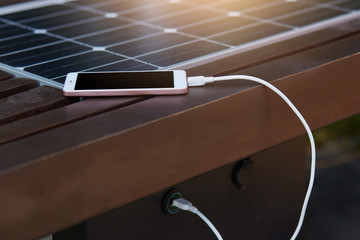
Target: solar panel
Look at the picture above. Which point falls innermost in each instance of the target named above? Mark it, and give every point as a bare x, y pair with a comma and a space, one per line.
57, 37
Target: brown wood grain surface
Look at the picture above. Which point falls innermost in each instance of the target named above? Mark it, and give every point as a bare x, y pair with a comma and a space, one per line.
16, 85
30, 102
61, 116
94, 177
5, 75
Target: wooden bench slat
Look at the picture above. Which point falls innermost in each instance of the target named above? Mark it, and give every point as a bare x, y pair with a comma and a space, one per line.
31, 102
5, 75
16, 85
61, 116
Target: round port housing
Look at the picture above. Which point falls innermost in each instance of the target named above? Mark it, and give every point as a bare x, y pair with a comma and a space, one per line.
167, 201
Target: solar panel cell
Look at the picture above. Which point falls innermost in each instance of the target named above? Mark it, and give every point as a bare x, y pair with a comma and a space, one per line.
243, 5
8, 31
61, 20
186, 18
249, 34
217, 26
125, 5
25, 42
36, 12
310, 17
150, 44
43, 54
182, 53
128, 65
353, 4
278, 10
89, 27
79, 62
120, 35
156, 11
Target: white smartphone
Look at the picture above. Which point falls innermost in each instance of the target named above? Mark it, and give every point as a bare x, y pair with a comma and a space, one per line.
125, 83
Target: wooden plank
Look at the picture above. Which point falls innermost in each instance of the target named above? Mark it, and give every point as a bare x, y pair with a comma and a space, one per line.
16, 85
7, 2
92, 178
5, 75
61, 116
31, 102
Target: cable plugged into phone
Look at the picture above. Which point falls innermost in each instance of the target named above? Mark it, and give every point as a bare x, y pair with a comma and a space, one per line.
198, 81
201, 81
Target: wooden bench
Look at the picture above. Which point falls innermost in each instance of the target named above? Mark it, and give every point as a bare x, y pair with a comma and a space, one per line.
65, 161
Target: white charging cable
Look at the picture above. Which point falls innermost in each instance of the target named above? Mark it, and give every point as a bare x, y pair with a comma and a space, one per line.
201, 80
185, 205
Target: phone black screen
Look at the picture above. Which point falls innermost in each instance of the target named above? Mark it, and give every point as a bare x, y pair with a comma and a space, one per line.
124, 80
